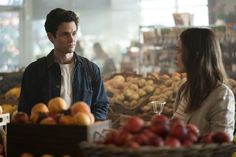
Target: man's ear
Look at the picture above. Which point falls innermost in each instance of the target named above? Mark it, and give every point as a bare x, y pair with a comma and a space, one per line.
50, 36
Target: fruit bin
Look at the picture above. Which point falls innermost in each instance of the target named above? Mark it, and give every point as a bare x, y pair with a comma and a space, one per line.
57, 140
208, 150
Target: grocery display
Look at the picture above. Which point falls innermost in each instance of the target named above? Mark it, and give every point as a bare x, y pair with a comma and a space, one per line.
160, 135
130, 94
57, 130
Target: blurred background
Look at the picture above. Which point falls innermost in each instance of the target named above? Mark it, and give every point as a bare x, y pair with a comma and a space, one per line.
138, 35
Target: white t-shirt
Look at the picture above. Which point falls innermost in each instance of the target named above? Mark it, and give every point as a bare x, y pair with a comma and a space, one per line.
66, 82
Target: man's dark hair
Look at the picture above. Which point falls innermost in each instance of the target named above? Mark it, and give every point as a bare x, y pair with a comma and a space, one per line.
58, 16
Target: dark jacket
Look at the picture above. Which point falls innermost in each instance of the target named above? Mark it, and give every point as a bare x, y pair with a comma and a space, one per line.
42, 81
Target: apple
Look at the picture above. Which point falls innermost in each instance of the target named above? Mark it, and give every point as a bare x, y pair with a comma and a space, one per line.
20, 117
187, 143
192, 128
110, 137
141, 139
160, 119
191, 137
207, 138
178, 130
132, 144
175, 121
157, 141
220, 137
123, 137
172, 142
148, 133
134, 124
160, 129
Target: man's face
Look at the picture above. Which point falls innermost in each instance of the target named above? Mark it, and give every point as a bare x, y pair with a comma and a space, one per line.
65, 39
179, 60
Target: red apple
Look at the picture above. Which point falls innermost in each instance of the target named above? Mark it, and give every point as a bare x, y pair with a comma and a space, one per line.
123, 137
141, 139
20, 117
175, 121
172, 142
220, 137
132, 144
160, 119
178, 130
157, 141
191, 137
207, 138
193, 129
148, 133
187, 143
110, 137
160, 129
134, 124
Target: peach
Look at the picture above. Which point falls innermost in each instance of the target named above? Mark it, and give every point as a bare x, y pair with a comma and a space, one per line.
48, 121
39, 107
1, 110
82, 118
26, 155
37, 117
80, 106
92, 118
66, 120
57, 105
47, 155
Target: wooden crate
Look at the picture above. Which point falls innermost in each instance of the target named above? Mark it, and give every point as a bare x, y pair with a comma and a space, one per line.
57, 140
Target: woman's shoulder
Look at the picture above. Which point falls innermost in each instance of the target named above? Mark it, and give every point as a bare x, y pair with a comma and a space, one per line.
222, 90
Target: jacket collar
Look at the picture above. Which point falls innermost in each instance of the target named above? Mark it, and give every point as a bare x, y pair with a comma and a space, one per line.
51, 61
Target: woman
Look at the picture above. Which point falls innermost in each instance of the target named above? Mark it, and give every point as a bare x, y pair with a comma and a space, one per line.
204, 99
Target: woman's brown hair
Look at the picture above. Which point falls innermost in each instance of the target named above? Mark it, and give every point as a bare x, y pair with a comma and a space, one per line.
202, 59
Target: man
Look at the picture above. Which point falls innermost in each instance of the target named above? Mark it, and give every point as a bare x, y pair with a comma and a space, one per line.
62, 72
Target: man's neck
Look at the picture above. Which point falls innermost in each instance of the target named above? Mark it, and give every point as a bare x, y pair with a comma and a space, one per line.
64, 58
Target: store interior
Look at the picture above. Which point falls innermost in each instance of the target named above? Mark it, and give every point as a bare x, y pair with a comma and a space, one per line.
139, 39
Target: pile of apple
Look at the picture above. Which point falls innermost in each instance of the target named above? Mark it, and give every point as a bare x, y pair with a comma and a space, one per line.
56, 112
161, 131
